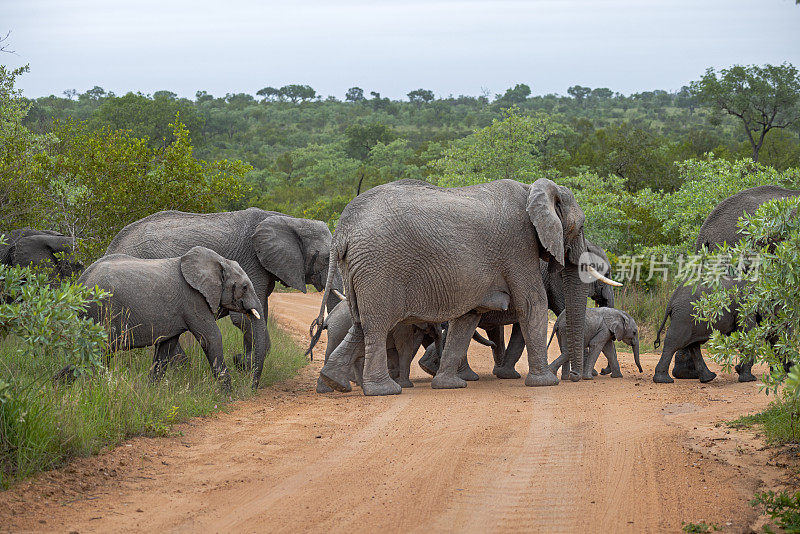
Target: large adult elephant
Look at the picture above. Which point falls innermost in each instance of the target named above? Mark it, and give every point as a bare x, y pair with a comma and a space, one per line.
506, 357
29, 247
269, 246
411, 252
721, 226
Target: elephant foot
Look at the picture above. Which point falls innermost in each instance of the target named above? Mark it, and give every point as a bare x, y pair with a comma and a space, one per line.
65, 375
505, 372
322, 387
594, 373
616, 375
605, 371
685, 373
545, 379
336, 378
564, 375
441, 381
708, 377
662, 378
468, 374
428, 366
587, 376
242, 362
747, 377
224, 381
405, 383
383, 387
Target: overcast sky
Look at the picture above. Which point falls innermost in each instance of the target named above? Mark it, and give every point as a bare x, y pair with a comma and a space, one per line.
448, 46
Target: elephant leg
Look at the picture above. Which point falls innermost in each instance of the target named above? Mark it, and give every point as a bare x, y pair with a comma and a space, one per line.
613, 360
459, 335
430, 360
336, 372
684, 365
465, 372
376, 379
596, 345
561, 362
210, 339
256, 342
534, 329
661, 375
704, 373
516, 343
393, 363
177, 356
406, 346
744, 369
162, 354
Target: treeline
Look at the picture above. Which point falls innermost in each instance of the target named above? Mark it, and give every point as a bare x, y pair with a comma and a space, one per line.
310, 154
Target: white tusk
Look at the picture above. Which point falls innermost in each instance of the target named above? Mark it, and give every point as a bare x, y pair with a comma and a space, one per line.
255, 313
338, 294
600, 277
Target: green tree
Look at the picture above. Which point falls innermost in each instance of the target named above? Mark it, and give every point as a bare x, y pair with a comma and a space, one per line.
508, 148
578, 92
297, 93
515, 95
360, 138
269, 93
354, 94
763, 98
419, 96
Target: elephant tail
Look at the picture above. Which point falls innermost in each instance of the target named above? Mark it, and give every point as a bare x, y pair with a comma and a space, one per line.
318, 324
667, 313
482, 340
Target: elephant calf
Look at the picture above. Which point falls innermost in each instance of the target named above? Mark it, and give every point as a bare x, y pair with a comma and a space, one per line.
603, 326
154, 301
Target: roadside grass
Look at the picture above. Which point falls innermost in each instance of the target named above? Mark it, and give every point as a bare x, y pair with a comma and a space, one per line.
780, 422
42, 424
647, 307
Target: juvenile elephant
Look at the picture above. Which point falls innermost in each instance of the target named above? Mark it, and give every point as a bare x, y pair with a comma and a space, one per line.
603, 327
506, 357
154, 301
685, 333
721, 226
269, 246
29, 247
411, 252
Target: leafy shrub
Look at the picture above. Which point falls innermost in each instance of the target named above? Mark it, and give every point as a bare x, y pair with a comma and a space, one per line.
781, 506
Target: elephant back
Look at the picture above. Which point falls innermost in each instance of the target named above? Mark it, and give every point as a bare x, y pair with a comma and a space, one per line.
721, 224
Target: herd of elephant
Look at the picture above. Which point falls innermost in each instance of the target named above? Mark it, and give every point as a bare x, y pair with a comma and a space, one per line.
410, 265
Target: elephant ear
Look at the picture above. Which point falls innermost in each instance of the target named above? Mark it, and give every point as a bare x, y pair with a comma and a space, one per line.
33, 249
202, 269
542, 208
278, 247
615, 323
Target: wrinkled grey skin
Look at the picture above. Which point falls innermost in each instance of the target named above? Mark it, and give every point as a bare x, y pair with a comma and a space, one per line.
687, 334
413, 253
269, 246
603, 327
29, 247
154, 301
402, 345
721, 226
506, 358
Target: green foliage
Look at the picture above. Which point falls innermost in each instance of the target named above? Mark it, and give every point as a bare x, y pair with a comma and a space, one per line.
779, 421
762, 97
43, 424
46, 319
702, 526
768, 299
783, 507
508, 148
362, 137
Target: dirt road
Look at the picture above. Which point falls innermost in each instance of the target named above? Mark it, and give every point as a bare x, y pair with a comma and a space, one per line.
606, 455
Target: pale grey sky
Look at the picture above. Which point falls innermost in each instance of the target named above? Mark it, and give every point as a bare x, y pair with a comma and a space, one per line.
448, 46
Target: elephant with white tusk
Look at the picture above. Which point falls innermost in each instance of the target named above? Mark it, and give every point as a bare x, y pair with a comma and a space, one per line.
153, 302
413, 253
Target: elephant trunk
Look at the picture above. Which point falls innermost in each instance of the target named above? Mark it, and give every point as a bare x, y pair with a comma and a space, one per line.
576, 292
635, 345
336, 289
